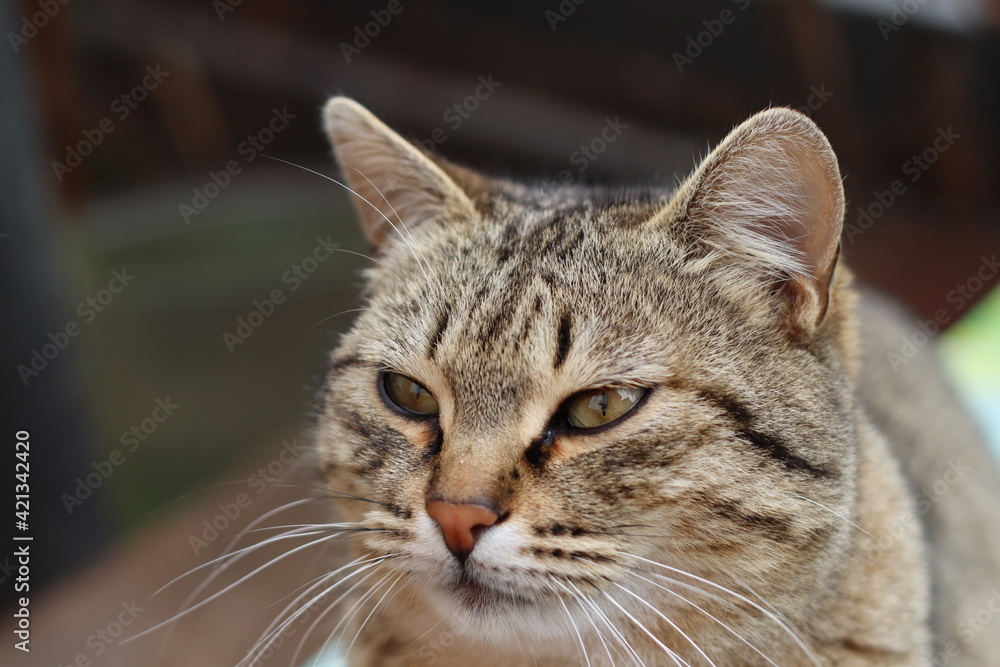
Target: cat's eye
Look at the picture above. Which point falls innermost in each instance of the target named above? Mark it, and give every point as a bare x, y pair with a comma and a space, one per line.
601, 406
409, 395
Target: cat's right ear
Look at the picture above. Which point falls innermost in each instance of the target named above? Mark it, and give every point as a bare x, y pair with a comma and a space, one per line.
770, 196
394, 185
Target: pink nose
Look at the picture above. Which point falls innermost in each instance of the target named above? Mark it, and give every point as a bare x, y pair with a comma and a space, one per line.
461, 524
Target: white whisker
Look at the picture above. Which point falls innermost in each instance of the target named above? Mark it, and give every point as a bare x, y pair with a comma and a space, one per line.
307, 588
226, 552
327, 319
703, 611
228, 588
673, 656
615, 632
669, 622
275, 629
352, 612
838, 515
330, 607
576, 630
374, 207
785, 626
372, 612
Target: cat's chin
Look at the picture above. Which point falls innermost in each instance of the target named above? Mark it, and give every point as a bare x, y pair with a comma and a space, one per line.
476, 609
478, 598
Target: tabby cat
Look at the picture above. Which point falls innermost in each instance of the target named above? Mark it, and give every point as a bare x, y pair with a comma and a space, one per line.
640, 426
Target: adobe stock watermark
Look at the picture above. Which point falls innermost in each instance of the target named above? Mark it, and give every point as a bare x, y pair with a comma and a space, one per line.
88, 310
926, 497
295, 276
223, 7
968, 628
454, 117
105, 637
816, 99
7, 569
958, 297
121, 108
432, 651
697, 44
973, 625
363, 35
319, 604
249, 149
130, 440
561, 13
31, 24
587, 153
914, 168
256, 484
898, 17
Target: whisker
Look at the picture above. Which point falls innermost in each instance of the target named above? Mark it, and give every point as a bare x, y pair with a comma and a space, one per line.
421, 259
311, 584
385, 199
276, 628
228, 588
351, 613
233, 557
691, 587
215, 574
576, 629
359, 254
577, 596
838, 515
763, 601
356, 194
351, 525
673, 656
327, 319
372, 612
669, 622
782, 624
615, 632
711, 616
328, 494
394, 212
778, 619
330, 607
426, 632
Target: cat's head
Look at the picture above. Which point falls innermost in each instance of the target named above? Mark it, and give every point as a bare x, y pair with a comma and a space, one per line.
560, 404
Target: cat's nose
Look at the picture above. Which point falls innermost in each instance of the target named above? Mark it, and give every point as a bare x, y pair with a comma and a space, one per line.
461, 524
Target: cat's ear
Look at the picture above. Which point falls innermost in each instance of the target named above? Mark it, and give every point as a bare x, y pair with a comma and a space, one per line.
771, 194
394, 183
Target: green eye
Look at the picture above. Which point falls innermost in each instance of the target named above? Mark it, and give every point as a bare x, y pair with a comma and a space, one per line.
602, 406
409, 395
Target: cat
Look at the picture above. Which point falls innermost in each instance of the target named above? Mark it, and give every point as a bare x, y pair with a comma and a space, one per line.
642, 426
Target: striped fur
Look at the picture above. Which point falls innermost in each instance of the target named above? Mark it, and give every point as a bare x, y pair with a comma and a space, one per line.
730, 518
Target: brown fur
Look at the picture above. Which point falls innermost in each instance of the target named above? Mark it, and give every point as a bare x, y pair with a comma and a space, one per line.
761, 468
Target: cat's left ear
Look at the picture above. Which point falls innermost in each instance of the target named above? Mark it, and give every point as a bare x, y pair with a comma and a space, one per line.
394, 184
771, 193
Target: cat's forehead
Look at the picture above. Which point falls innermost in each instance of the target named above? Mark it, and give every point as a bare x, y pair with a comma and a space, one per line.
611, 207
533, 291
539, 229
529, 258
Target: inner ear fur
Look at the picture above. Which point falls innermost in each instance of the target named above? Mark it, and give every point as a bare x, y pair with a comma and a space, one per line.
771, 194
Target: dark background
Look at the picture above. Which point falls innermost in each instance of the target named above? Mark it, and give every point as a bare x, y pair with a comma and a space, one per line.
678, 74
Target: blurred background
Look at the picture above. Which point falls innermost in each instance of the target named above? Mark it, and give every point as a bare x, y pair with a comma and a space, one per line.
168, 300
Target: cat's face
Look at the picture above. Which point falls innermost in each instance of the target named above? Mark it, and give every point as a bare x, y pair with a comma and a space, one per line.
565, 407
